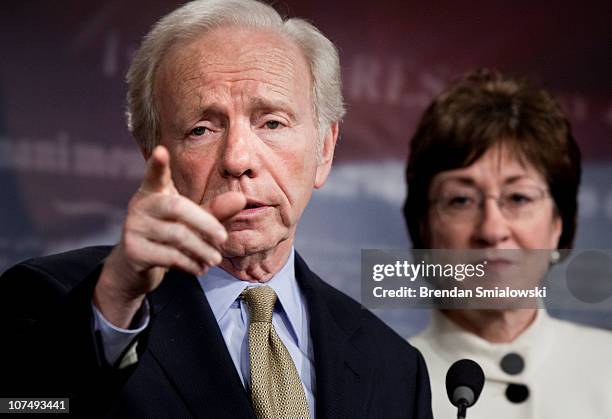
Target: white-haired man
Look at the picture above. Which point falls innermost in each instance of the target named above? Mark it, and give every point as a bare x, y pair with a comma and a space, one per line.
203, 308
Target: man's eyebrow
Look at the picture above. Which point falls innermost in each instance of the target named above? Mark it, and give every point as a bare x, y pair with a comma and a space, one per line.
261, 104
257, 104
212, 110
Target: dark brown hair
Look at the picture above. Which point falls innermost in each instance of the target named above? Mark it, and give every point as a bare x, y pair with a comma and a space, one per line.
485, 109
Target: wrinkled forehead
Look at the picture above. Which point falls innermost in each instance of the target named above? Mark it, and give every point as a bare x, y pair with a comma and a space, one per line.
235, 54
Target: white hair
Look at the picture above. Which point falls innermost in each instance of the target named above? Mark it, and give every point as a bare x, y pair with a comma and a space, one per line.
201, 16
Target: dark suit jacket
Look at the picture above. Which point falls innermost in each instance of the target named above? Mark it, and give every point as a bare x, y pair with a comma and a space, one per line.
363, 368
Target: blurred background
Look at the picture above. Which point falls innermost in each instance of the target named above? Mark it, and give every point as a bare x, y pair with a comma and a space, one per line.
68, 164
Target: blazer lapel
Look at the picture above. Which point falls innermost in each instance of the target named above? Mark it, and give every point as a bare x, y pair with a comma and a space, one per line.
343, 374
187, 343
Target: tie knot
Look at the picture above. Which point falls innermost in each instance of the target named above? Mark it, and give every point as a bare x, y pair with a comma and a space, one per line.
261, 302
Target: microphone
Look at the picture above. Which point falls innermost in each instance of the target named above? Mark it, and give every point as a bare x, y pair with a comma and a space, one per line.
464, 382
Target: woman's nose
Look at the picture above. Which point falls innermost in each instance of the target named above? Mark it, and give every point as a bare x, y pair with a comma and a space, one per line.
492, 227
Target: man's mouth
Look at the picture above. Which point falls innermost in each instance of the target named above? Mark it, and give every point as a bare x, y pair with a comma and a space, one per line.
253, 204
253, 207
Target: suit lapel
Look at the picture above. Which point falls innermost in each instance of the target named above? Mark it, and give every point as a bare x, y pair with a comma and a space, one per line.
343, 374
185, 340
187, 343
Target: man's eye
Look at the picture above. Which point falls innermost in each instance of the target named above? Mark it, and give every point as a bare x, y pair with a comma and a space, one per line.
272, 124
197, 131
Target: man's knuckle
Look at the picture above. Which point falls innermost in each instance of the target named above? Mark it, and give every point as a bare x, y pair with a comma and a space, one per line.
176, 233
173, 203
176, 257
130, 225
130, 246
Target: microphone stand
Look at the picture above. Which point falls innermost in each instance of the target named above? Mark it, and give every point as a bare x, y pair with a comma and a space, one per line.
462, 409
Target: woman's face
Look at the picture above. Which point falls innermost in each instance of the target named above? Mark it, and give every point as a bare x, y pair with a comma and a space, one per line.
465, 211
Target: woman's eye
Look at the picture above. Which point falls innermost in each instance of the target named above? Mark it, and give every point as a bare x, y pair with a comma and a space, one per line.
518, 199
459, 201
273, 124
197, 131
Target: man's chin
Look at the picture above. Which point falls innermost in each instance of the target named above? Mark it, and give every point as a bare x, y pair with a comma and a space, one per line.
246, 243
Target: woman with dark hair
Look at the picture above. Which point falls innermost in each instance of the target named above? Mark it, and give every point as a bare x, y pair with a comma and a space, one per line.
493, 166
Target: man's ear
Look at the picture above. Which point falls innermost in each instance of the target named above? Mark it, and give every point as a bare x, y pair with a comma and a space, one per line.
327, 154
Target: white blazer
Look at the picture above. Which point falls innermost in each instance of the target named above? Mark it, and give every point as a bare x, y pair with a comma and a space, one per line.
566, 369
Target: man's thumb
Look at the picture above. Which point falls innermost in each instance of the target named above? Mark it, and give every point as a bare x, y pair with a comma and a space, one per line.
227, 205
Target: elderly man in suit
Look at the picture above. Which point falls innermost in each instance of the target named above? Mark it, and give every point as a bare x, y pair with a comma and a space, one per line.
203, 308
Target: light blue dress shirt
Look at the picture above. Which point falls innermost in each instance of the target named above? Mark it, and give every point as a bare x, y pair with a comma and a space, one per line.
290, 320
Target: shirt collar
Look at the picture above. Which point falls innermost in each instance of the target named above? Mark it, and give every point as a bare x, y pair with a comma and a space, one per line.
222, 290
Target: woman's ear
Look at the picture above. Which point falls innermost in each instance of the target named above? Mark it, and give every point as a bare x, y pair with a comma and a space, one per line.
557, 229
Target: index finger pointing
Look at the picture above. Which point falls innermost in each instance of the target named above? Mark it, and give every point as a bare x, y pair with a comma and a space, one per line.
158, 176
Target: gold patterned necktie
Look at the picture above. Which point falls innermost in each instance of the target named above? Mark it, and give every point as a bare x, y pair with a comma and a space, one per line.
276, 388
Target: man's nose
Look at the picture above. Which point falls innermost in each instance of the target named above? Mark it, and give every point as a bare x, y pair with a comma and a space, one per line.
492, 227
237, 154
